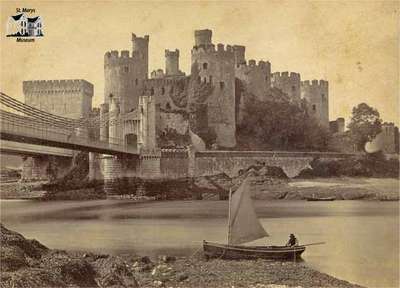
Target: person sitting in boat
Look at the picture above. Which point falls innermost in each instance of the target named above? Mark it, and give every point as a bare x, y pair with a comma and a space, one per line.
292, 241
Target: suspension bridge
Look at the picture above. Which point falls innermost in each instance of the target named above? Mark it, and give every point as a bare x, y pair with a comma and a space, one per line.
22, 123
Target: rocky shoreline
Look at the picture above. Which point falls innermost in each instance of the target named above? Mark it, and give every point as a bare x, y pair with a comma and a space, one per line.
28, 263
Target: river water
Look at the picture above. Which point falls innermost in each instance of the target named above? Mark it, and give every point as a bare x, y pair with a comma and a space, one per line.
362, 237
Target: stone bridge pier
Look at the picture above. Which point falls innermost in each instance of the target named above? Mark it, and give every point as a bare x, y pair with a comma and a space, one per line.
45, 167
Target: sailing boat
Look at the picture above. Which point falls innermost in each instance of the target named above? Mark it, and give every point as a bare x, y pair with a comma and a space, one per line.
244, 226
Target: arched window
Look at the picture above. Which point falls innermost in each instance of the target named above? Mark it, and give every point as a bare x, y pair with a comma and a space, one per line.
136, 81
314, 108
152, 91
162, 91
293, 88
168, 106
205, 65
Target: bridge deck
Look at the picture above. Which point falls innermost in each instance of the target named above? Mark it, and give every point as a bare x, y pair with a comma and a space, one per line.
40, 134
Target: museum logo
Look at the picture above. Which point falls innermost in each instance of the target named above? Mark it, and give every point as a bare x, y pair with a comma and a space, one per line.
25, 25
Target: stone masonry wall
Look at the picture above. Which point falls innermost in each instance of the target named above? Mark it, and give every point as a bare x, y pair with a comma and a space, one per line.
230, 163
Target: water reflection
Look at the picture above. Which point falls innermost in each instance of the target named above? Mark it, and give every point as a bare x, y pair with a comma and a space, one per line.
362, 237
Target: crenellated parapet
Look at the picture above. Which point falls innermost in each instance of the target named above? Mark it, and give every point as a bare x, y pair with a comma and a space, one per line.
289, 83
58, 86
285, 77
315, 84
157, 74
116, 58
221, 52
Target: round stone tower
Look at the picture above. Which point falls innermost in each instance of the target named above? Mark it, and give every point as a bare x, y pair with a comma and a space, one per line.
317, 96
216, 67
124, 73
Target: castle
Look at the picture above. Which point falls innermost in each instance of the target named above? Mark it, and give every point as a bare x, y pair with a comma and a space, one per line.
167, 114
215, 90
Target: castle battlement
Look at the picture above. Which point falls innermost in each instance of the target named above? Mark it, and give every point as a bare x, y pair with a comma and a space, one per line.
54, 86
314, 83
115, 56
166, 81
253, 65
220, 52
283, 76
157, 74
169, 53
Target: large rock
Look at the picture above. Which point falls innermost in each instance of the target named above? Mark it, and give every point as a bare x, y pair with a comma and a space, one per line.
28, 264
30, 248
72, 270
113, 272
12, 258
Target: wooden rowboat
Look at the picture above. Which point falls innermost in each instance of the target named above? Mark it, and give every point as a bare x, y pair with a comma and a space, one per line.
243, 227
215, 250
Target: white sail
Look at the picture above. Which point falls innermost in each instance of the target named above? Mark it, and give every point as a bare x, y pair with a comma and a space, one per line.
243, 223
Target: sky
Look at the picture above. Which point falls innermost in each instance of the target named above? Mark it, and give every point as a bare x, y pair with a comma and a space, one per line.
353, 45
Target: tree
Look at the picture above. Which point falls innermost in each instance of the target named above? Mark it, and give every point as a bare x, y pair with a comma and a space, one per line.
278, 124
365, 124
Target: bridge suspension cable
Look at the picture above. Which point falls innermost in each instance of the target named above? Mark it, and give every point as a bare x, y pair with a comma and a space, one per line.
55, 120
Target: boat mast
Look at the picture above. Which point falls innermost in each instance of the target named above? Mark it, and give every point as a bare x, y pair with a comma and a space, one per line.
229, 216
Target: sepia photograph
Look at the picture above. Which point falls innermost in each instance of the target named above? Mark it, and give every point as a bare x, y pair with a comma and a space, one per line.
199, 143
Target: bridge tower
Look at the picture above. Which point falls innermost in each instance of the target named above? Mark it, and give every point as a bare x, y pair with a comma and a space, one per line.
71, 98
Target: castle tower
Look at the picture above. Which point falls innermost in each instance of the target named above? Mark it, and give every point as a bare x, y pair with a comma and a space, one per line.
124, 73
217, 69
289, 83
67, 98
171, 62
317, 96
202, 37
140, 49
255, 76
239, 52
